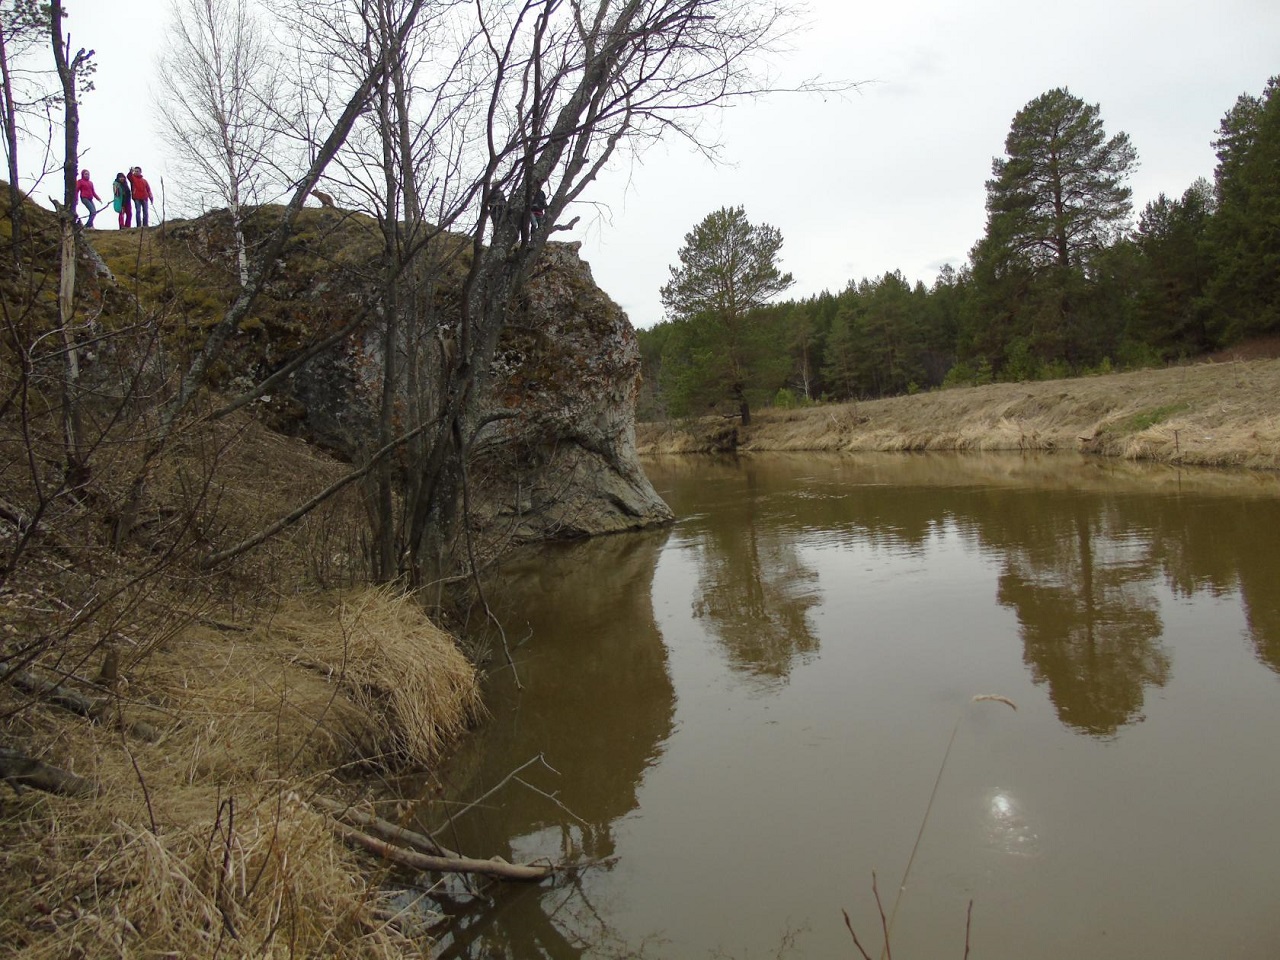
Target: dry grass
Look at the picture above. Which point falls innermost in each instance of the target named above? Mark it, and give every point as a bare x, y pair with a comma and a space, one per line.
201, 844
1211, 414
396, 666
270, 680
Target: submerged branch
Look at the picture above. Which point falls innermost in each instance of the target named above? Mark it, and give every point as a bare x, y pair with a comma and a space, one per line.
498, 869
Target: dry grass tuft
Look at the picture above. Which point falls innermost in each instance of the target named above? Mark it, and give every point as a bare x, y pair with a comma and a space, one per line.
200, 845
258, 875
395, 666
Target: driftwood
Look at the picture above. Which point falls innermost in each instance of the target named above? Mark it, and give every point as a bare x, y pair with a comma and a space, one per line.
68, 699
21, 770
498, 869
384, 829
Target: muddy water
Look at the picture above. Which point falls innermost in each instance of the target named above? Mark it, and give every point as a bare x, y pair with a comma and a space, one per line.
741, 718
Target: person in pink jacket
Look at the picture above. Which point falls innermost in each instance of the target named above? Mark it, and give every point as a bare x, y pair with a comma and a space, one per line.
84, 189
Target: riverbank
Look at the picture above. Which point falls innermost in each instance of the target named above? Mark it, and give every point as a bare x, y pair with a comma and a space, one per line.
172, 739
1224, 414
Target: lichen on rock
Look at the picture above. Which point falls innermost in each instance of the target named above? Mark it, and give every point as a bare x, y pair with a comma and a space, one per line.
566, 464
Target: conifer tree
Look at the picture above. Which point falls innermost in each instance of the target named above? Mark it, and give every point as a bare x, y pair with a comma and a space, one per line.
1055, 203
1059, 194
1246, 227
728, 270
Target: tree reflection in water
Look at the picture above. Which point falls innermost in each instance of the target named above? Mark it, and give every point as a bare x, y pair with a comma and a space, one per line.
597, 703
753, 589
534, 922
1090, 630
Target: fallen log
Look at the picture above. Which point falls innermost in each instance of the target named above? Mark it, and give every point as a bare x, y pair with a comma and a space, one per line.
77, 703
499, 869
385, 829
19, 769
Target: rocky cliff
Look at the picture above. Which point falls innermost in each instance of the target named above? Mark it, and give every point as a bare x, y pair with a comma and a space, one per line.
558, 458
566, 465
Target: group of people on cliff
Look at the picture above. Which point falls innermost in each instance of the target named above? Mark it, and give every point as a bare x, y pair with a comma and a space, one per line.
499, 208
131, 197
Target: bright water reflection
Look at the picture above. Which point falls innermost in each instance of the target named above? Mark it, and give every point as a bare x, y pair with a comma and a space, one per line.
747, 714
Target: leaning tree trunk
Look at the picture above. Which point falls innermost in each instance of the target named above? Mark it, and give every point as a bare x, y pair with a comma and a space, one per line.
76, 466
11, 148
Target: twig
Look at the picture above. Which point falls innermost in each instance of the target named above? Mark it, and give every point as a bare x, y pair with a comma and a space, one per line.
20, 770
498, 869
849, 925
384, 829
968, 925
915, 847
61, 696
929, 807
501, 783
471, 557
137, 772
884, 924
552, 797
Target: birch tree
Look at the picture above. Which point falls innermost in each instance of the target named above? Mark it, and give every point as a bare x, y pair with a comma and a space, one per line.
220, 87
69, 67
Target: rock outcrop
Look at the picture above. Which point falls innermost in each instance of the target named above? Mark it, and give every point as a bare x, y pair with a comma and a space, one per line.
566, 465
559, 462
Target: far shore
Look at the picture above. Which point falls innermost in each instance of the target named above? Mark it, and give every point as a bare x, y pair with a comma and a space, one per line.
1224, 414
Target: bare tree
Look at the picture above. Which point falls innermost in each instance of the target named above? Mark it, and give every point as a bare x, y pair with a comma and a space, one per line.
515, 99
220, 85
28, 90
263, 266
449, 106
69, 66
569, 85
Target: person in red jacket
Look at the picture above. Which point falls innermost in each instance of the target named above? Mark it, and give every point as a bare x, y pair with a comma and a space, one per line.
142, 196
84, 189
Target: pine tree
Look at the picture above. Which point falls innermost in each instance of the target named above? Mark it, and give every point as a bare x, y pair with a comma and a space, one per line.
1056, 202
1059, 194
1246, 227
728, 270
1174, 269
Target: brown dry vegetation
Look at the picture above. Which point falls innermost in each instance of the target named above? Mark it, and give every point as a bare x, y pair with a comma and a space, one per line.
1210, 414
268, 683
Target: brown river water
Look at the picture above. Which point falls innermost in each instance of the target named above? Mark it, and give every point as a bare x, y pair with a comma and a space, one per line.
739, 719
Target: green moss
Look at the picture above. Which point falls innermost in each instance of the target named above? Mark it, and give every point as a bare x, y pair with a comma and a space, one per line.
1147, 419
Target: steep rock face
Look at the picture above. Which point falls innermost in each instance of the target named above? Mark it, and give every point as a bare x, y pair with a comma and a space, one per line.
561, 462
565, 464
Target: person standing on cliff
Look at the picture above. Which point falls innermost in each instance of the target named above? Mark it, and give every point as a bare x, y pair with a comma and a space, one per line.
121, 201
537, 210
497, 207
87, 194
141, 191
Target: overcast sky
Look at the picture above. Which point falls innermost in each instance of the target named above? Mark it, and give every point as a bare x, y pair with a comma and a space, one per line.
888, 177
